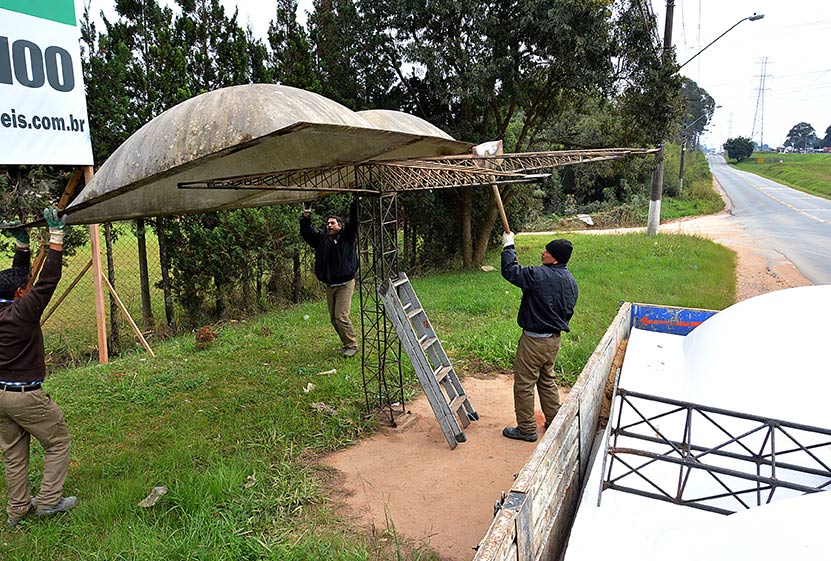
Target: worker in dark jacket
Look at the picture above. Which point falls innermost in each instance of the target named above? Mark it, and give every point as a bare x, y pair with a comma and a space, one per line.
336, 262
25, 409
549, 294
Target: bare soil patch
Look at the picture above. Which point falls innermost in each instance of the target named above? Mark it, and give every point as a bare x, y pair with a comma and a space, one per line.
409, 478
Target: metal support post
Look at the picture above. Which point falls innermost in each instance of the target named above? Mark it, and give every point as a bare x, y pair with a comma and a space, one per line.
380, 347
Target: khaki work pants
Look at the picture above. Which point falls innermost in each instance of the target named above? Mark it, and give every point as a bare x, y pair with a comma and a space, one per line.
339, 300
534, 367
23, 415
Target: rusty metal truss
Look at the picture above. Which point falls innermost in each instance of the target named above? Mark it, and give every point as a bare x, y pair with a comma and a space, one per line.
525, 162
375, 177
712, 459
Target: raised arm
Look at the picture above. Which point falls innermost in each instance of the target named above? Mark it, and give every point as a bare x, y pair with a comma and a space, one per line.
351, 228
513, 272
311, 235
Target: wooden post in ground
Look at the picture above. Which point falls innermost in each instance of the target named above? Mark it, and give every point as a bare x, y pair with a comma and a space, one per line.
100, 314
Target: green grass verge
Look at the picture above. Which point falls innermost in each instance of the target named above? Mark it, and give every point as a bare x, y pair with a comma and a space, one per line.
810, 173
202, 421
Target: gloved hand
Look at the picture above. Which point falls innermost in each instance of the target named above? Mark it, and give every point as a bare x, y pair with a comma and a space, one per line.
20, 235
507, 239
56, 225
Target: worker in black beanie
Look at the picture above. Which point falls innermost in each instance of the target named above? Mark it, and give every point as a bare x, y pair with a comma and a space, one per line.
549, 294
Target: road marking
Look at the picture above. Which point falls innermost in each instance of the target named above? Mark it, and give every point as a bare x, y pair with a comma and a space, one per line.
767, 191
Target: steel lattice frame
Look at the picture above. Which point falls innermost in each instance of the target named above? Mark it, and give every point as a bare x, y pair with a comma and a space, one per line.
378, 182
380, 346
416, 174
752, 459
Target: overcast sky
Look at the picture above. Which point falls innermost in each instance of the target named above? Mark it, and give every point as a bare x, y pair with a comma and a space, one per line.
792, 36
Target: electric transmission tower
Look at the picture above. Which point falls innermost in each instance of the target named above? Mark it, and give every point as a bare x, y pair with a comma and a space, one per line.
759, 117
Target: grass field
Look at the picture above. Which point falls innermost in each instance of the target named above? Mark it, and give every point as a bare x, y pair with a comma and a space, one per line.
807, 172
231, 432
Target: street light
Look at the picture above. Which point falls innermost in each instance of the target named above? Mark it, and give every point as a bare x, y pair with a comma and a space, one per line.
654, 218
683, 147
754, 17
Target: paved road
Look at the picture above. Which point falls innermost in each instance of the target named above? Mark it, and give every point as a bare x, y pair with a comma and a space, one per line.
795, 224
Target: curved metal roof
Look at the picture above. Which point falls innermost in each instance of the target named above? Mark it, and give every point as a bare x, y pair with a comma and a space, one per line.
242, 130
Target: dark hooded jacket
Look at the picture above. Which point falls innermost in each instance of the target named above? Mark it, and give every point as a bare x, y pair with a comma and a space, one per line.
336, 260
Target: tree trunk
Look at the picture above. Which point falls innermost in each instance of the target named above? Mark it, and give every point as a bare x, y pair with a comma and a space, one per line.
144, 276
164, 261
114, 331
259, 279
297, 279
467, 236
488, 224
219, 301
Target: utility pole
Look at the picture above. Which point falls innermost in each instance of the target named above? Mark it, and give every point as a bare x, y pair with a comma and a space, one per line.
654, 218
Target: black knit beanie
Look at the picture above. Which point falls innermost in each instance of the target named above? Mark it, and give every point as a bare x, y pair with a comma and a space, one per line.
560, 250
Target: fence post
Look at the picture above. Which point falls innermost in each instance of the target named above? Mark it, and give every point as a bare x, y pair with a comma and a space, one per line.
144, 276
164, 262
115, 339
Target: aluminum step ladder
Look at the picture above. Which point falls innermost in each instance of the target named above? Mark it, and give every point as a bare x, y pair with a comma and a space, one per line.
441, 384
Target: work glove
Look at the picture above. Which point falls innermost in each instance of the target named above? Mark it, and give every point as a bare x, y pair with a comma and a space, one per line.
20, 235
56, 225
507, 239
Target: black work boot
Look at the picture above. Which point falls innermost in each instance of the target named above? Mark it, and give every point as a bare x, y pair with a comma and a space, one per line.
516, 434
12, 522
64, 505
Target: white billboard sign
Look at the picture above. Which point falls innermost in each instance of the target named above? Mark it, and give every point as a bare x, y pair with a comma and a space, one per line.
43, 109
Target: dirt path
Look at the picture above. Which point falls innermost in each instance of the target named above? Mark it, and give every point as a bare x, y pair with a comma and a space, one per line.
444, 498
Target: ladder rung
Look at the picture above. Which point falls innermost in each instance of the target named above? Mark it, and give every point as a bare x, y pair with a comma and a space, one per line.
441, 373
426, 341
458, 402
414, 312
399, 281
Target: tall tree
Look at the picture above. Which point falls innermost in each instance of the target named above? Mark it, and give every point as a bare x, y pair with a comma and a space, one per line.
351, 62
698, 110
827, 140
496, 69
216, 48
156, 70
105, 62
739, 148
802, 136
291, 53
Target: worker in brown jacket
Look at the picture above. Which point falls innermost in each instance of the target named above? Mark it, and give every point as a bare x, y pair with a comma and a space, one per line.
25, 409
